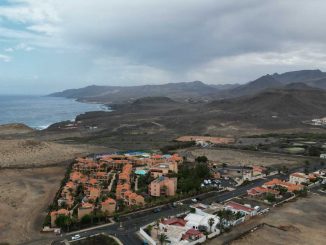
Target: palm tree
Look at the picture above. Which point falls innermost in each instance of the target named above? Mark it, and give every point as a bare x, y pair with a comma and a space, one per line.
211, 222
228, 214
158, 225
162, 238
68, 222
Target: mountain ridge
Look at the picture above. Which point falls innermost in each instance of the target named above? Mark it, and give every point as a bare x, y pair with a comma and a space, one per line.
197, 91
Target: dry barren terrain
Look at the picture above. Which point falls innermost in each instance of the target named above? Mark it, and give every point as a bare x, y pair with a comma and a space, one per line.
235, 157
32, 153
24, 197
299, 222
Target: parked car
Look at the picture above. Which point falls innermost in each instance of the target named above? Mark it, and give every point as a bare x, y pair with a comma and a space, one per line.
156, 210
75, 237
179, 203
194, 200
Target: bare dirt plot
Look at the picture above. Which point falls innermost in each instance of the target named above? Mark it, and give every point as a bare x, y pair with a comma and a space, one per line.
297, 223
24, 197
236, 157
24, 153
301, 222
270, 235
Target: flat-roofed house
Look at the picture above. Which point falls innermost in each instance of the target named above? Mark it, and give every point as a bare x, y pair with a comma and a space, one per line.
298, 178
163, 186
160, 169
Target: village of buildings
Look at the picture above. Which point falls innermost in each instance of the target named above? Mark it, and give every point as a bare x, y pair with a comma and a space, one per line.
108, 184
203, 221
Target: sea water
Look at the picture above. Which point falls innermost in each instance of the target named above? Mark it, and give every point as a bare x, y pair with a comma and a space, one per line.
39, 112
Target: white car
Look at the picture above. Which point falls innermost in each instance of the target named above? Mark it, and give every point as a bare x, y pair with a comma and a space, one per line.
75, 237
194, 200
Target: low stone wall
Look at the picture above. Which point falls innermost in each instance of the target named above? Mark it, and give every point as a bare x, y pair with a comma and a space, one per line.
213, 234
146, 236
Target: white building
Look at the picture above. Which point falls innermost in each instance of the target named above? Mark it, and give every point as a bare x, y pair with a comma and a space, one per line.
195, 220
298, 178
237, 207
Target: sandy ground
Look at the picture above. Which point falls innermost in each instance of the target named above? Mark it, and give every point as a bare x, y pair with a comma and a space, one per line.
236, 157
24, 197
17, 128
297, 223
28, 153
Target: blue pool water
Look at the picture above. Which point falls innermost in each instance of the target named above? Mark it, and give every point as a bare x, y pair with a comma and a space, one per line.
141, 172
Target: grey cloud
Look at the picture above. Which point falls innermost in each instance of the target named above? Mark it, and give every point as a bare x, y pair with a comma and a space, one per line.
186, 39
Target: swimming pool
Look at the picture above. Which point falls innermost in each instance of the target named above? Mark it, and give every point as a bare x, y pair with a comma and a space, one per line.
141, 172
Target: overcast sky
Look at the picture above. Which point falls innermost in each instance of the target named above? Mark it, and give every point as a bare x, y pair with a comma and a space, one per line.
51, 45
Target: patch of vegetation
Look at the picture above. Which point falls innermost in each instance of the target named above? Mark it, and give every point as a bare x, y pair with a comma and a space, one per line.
190, 178
302, 193
148, 229
202, 159
143, 182
176, 146
270, 197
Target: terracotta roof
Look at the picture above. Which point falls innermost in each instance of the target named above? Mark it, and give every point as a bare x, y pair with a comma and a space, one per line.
109, 201
299, 175
175, 221
92, 181
259, 190
273, 182
60, 211
238, 206
83, 180
123, 186
74, 176
101, 174
87, 205
70, 184
127, 194
193, 232
289, 186
157, 156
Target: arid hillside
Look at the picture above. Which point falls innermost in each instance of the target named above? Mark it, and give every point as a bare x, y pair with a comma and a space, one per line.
33, 153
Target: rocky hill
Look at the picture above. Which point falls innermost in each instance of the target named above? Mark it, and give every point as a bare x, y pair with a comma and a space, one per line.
292, 102
114, 94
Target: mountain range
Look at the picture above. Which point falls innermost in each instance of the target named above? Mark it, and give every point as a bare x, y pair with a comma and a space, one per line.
197, 90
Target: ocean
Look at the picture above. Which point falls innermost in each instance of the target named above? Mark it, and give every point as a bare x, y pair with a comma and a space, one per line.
39, 112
